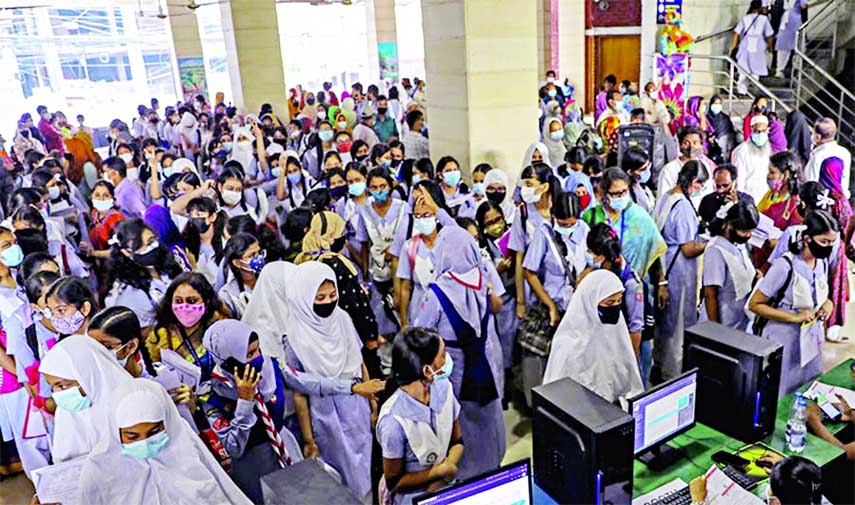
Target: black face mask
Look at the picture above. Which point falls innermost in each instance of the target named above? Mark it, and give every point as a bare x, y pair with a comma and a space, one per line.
497, 197
737, 238
396, 163
609, 315
281, 142
200, 223
336, 193
819, 251
324, 310
382, 110
759, 110
362, 158
149, 259
338, 244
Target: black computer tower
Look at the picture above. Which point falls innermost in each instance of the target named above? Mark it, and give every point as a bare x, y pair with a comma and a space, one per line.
738, 378
582, 445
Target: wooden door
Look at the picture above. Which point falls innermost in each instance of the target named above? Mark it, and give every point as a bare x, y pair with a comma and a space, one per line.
611, 54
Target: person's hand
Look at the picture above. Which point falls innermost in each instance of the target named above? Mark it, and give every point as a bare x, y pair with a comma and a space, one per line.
504, 265
814, 414
846, 412
85, 248
448, 469
804, 316
423, 197
311, 451
520, 310
247, 384
554, 315
256, 131
183, 395
369, 388
698, 489
825, 310
662, 296
732, 196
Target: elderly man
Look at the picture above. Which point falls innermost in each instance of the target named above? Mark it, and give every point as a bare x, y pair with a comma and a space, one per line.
751, 159
364, 131
826, 146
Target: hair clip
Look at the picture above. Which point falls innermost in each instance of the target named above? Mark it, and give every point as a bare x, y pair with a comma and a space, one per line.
114, 240
722, 211
824, 201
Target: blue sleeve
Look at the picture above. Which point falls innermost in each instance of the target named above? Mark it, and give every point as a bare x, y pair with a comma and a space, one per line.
16, 346
494, 278
537, 249
404, 270
634, 294
781, 247
517, 240
392, 439
682, 226
312, 384
361, 231
774, 279
399, 243
715, 268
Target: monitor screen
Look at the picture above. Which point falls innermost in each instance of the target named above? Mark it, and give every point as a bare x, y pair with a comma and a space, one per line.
509, 485
664, 411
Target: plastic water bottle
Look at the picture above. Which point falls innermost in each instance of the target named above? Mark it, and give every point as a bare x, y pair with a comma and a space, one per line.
797, 425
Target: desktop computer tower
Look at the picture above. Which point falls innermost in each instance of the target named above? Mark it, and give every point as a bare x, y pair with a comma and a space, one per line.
738, 378
582, 445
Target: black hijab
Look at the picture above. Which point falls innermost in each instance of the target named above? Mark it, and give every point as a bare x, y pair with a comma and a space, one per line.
720, 122
798, 132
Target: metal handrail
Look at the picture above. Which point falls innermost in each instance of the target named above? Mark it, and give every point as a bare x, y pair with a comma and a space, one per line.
714, 35
754, 80
801, 36
832, 87
826, 75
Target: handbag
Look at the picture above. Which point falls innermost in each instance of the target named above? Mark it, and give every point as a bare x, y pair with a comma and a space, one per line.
534, 333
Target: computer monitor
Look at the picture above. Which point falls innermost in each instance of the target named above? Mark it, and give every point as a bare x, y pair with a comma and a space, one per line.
510, 484
662, 413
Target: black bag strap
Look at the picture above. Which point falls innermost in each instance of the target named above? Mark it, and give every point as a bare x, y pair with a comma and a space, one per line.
678, 252
32, 340
760, 322
569, 271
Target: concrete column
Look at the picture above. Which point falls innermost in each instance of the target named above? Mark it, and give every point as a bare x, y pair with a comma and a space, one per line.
386, 27
254, 56
570, 16
482, 76
185, 40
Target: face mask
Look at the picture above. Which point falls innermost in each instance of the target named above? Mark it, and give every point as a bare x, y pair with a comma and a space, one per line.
644, 177
325, 135
310, 101
380, 196
590, 261
324, 310
361, 158
758, 109
70, 324
148, 448
243, 146
443, 373
424, 225
619, 203
295, 178
276, 172
71, 400
775, 184
256, 264
417, 179
115, 353
337, 192
738, 239
564, 231
126, 157
759, 139
552, 92
356, 189
12, 256
451, 178
200, 223
382, 110
715, 108
168, 171
188, 315
495, 230
148, 256
133, 174
609, 315
230, 197
338, 244
257, 362
557, 135
53, 192
819, 251
342, 125
497, 197
479, 188
386, 163
227, 147
529, 195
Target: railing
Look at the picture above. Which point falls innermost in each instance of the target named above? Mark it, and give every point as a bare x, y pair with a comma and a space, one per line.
811, 81
819, 24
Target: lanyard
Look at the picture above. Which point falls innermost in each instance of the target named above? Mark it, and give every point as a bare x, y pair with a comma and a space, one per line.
189, 346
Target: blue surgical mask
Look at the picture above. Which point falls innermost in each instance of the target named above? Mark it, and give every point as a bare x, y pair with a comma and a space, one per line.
589, 260
256, 263
479, 188
715, 108
564, 231
386, 163
12, 256
759, 139
325, 135
451, 178
552, 92
168, 171
619, 203
295, 178
445, 371
71, 400
356, 189
645, 176
424, 225
416, 179
115, 353
557, 135
275, 172
148, 448
257, 362
380, 196
227, 147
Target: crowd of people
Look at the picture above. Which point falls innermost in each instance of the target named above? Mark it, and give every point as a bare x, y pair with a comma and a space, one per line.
345, 296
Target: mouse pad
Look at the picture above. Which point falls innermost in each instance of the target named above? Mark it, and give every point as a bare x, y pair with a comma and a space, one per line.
762, 454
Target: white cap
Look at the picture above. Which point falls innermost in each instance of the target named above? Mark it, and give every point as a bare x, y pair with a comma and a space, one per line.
759, 119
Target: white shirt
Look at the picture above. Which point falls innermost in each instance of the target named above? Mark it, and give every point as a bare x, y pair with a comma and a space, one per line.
822, 152
668, 177
752, 167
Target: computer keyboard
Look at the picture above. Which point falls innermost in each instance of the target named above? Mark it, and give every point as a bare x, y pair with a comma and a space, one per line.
742, 480
678, 497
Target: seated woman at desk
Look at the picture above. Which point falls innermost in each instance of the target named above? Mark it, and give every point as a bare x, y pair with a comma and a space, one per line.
794, 481
847, 415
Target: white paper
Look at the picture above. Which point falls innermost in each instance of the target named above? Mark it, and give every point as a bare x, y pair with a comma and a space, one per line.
766, 230
170, 379
189, 373
723, 491
830, 392
59, 483
653, 496
810, 340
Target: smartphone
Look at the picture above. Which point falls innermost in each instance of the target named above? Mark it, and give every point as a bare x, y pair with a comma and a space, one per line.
726, 458
830, 410
231, 363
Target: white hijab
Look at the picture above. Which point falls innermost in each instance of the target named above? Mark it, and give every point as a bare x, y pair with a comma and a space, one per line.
83, 359
498, 176
327, 346
267, 311
556, 147
244, 157
183, 472
188, 127
598, 356
541, 148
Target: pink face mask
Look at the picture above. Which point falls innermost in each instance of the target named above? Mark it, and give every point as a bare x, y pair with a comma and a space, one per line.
188, 314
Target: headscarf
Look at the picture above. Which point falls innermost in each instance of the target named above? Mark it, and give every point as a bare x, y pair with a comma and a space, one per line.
573, 124
720, 123
332, 99
831, 174
244, 158
229, 338
556, 147
498, 176
798, 132
576, 179
184, 471
348, 108
267, 311
596, 355
458, 261
326, 226
159, 219
332, 112
86, 361
219, 98
777, 138
330, 345
310, 111
541, 148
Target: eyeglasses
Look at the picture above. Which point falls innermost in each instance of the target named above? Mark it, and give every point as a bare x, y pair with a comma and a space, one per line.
617, 194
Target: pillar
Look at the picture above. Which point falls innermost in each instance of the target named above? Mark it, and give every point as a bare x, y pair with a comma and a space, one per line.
188, 48
254, 56
387, 39
570, 20
482, 78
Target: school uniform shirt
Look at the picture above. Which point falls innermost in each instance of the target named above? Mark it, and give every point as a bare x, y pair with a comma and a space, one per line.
402, 410
236, 298
543, 257
523, 228
141, 302
130, 199
724, 260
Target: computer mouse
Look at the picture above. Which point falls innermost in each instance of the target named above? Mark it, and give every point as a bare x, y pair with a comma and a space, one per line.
763, 463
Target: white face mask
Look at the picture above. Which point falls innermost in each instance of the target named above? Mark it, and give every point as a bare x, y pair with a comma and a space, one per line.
103, 205
231, 197
529, 195
126, 157
53, 192
243, 146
